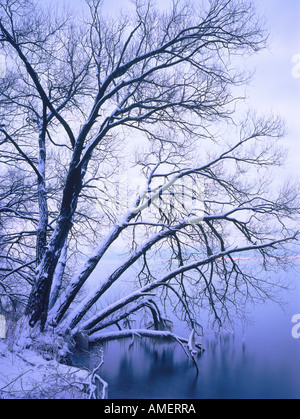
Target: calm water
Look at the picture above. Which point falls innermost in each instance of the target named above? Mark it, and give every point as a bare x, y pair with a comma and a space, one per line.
262, 361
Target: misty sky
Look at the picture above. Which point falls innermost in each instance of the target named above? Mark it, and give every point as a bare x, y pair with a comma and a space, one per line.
276, 84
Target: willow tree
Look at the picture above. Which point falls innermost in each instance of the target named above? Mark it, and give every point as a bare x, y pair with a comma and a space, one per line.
157, 95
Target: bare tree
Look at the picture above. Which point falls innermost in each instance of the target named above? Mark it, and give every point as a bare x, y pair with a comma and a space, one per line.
18, 222
76, 95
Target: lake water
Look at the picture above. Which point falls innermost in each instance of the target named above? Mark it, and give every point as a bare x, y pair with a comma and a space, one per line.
261, 361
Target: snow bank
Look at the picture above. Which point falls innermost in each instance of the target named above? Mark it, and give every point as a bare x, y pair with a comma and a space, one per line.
26, 374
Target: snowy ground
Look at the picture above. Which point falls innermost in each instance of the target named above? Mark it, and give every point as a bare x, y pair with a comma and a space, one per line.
32, 374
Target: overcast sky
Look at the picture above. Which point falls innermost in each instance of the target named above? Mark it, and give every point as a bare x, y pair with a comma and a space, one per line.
276, 85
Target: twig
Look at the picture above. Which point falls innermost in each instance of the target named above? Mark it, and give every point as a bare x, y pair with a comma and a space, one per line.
93, 394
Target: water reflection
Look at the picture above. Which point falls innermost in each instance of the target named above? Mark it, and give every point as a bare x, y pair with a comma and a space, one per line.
262, 361
229, 368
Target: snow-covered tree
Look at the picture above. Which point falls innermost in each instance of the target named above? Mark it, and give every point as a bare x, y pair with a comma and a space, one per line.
137, 134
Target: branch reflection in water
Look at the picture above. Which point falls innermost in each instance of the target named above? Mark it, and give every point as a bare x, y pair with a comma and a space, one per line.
261, 360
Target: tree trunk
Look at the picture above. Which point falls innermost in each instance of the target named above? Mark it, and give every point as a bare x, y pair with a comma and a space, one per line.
38, 304
42, 192
58, 276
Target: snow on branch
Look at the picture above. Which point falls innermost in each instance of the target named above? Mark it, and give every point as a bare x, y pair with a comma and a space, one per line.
140, 293
188, 348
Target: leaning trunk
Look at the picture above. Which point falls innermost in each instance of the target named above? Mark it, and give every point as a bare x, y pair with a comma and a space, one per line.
38, 304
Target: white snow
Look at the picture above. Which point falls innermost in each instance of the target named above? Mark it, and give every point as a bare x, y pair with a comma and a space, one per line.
25, 374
